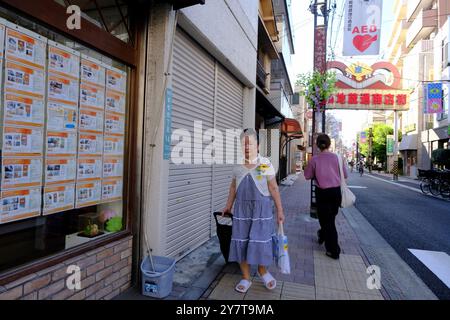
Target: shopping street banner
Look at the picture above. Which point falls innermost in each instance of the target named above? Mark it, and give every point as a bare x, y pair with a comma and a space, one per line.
434, 101
362, 27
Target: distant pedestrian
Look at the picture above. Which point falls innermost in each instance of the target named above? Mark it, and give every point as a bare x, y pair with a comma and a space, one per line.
324, 169
251, 191
352, 165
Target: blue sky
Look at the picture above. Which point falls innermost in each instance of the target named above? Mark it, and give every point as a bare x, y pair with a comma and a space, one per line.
303, 29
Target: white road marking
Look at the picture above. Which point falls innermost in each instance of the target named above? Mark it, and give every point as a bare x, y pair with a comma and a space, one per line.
437, 262
357, 187
395, 184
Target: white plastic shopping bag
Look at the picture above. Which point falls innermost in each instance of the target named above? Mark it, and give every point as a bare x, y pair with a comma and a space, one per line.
282, 251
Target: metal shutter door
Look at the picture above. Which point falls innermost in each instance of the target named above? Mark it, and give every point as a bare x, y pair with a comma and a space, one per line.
228, 115
189, 186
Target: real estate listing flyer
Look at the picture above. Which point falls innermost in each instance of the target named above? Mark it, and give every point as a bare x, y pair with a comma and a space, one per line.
90, 144
61, 116
24, 80
115, 101
114, 123
116, 80
89, 168
92, 96
61, 143
63, 60
25, 46
112, 190
61, 88
92, 71
21, 110
22, 141
59, 198
21, 172
88, 193
91, 120
20, 204
113, 145
60, 170
112, 167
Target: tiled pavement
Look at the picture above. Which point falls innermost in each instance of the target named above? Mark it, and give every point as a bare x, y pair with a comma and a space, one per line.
313, 275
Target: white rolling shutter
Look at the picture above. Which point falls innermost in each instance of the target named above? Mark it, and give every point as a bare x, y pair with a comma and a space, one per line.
204, 91
189, 187
228, 115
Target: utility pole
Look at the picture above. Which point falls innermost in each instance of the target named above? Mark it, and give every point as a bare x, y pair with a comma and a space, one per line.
369, 157
318, 9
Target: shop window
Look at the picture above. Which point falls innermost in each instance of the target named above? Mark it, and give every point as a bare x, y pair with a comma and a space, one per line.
110, 15
63, 124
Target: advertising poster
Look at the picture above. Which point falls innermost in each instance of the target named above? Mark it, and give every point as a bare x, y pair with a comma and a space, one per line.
60, 170
115, 102
88, 193
59, 198
61, 143
91, 120
92, 96
25, 46
63, 60
20, 204
112, 167
24, 80
112, 190
22, 141
62, 88
21, 172
25, 111
116, 80
114, 124
61, 116
113, 145
92, 71
89, 169
90, 144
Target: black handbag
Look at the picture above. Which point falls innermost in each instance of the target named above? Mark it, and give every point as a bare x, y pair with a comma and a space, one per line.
224, 234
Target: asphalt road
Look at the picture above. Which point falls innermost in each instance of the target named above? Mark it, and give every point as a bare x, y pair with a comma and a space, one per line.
407, 220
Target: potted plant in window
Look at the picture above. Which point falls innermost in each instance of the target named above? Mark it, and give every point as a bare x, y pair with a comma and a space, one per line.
111, 219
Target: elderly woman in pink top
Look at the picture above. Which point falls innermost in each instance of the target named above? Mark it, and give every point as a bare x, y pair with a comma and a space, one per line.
324, 169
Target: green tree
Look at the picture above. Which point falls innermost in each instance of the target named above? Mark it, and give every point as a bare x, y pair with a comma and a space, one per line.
379, 131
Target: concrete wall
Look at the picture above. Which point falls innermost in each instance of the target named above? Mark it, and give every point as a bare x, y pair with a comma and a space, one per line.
228, 31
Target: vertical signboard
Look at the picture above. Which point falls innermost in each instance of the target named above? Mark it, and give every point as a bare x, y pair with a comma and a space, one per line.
390, 145
362, 27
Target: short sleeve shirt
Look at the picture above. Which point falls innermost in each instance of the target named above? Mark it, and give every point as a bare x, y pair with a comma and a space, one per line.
262, 173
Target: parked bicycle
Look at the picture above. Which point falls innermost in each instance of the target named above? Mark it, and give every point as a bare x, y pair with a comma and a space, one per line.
436, 182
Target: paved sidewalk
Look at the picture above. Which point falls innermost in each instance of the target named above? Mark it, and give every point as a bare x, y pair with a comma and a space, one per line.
313, 274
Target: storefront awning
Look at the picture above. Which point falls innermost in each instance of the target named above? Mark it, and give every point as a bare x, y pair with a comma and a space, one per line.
291, 128
409, 142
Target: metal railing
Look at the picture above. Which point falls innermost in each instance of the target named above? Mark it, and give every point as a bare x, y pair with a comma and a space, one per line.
261, 75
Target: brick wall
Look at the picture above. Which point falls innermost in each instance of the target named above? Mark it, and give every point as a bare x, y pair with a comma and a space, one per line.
105, 273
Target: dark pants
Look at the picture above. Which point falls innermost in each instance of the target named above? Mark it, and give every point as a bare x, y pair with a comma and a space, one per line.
328, 203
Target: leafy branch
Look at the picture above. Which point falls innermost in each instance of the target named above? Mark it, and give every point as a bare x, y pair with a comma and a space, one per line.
317, 87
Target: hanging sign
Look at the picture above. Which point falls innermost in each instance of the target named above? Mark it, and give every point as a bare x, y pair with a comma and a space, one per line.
434, 98
390, 145
362, 29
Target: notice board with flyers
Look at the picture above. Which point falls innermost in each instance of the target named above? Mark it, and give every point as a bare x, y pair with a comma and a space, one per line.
62, 127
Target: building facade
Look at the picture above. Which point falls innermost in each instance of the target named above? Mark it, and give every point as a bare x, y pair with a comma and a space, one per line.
417, 48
